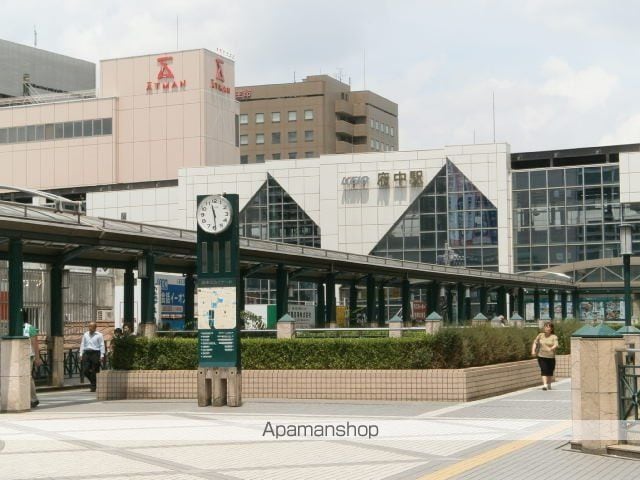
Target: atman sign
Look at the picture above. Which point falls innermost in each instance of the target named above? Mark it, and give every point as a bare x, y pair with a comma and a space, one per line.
166, 80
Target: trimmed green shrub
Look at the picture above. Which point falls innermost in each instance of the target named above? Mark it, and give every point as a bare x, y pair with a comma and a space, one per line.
449, 348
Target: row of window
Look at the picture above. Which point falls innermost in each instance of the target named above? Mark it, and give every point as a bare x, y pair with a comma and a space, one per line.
382, 127
54, 131
382, 147
292, 116
292, 137
260, 158
569, 177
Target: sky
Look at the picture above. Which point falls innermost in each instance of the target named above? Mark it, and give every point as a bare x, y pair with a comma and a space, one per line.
563, 73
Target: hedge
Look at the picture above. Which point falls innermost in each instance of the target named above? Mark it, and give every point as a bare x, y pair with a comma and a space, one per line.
449, 348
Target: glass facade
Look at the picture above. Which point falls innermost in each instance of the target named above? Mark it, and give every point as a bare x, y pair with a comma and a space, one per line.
451, 212
273, 215
567, 215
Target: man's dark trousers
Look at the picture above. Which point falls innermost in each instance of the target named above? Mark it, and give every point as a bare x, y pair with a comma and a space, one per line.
91, 366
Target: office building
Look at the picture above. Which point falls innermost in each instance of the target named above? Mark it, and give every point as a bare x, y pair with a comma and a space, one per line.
317, 116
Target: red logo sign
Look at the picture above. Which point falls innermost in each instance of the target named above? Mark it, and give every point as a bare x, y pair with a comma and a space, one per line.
218, 83
166, 81
219, 70
165, 71
243, 94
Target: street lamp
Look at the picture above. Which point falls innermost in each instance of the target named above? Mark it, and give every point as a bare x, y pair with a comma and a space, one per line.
626, 250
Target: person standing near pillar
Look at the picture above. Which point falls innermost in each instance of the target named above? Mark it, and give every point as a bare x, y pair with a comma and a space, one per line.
92, 353
31, 332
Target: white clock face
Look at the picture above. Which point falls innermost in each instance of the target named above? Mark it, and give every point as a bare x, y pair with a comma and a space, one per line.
214, 214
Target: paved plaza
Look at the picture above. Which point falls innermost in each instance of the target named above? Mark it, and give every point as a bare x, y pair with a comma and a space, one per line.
520, 435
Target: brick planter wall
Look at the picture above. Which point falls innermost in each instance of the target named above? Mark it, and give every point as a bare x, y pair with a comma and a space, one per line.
451, 385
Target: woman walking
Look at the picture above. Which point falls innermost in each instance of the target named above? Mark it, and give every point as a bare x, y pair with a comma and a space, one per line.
544, 347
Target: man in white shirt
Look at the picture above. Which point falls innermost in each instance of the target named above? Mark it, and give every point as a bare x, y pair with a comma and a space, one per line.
31, 332
92, 353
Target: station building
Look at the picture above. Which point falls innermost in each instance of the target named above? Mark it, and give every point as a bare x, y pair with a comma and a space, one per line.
477, 206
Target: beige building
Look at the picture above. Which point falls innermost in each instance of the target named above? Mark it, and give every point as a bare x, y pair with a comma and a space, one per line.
151, 116
317, 116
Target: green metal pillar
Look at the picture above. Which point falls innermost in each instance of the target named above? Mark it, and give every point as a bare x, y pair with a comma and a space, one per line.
382, 306
147, 291
483, 294
536, 304
353, 302
331, 299
406, 300
241, 294
501, 301
467, 303
628, 305
55, 294
320, 310
552, 306
189, 300
371, 300
448, 316
521, 302
563, 303
460, 290
15, 287
128, 294
575, 304
282, 291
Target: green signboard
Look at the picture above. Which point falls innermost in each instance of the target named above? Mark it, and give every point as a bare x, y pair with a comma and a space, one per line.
218, 281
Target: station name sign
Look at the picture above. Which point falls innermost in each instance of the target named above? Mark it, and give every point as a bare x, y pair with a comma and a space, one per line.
385, 180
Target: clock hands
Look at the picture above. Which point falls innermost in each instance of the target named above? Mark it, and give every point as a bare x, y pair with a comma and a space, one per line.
214, 213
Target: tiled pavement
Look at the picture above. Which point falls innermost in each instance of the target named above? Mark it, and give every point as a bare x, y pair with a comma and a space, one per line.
521, 435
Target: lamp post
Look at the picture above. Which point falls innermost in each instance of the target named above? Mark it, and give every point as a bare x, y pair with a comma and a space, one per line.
626, 251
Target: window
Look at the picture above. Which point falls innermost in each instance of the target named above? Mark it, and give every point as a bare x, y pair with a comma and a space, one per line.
68, 130
22, 134
244, 139
308, 135
97, 127
293, 116
77, 129
259, 138
106, 126
260, 158
373, 144
371, 123
40, 133
275, 138
377, 125
386, 129
244, 159
308, 155
87, 128
377, 144
3, 135
31, 133
276, 156
292, 137
259, 117
275, 117
308, 114
293, 155
391, 131
12, 135
59, 130
244, 119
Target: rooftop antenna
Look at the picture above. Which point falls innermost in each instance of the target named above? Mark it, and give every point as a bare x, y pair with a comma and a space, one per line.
364, 69
35, 36
493, 106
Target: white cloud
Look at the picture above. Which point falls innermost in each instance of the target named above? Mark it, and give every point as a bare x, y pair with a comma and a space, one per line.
626, 132
584, 89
